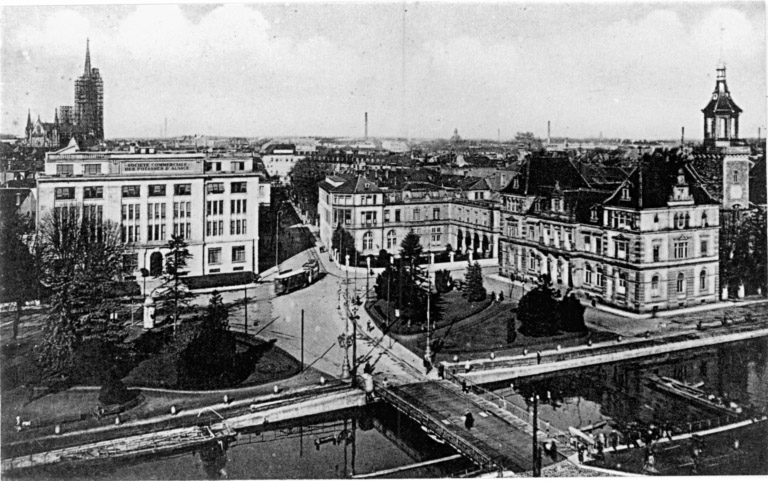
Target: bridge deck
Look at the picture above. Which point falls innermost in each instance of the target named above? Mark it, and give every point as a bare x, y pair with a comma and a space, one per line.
498, 439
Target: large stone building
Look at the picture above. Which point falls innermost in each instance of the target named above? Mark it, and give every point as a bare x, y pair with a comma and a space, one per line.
642, 241
212, 203
464, 217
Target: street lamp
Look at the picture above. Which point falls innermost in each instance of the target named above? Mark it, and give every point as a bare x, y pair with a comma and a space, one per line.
428, 350
367, 276
277, 242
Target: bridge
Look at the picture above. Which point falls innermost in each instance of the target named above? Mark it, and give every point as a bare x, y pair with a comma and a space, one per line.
501, 438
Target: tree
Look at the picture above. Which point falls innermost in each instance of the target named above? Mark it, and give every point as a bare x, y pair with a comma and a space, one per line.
175, 268
344, 242
474, 279
443, 281
305, 175
217, 315
539, 311
411, 249
18, 266
572, 314
80, 260
743, 254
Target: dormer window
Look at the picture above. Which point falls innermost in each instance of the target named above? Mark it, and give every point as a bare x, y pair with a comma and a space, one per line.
516, 183
593, 215
625, 193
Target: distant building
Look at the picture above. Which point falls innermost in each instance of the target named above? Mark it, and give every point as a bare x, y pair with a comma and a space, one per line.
212, 203
279, 160
84, 122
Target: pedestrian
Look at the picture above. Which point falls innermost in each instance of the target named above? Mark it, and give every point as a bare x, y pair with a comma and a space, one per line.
441, 371
667, 430
600, 452
538, 357
614, 441
464, 386
469, 420
581, 453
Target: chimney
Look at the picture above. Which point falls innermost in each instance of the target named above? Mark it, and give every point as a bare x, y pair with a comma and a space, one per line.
366, 126
682, 137
549, 138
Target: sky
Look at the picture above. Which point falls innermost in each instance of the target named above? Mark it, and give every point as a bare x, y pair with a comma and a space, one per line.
628, 70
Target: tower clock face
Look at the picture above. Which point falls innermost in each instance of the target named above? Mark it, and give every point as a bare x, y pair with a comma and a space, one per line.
735, 192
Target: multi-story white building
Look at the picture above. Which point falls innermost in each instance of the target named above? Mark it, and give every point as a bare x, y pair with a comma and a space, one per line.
279, 160
212, 203
642, 241
379, 218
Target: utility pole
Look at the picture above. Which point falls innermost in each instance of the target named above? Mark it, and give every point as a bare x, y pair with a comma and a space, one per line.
302, 340
245, 296
428, 350
277, 242
536, 465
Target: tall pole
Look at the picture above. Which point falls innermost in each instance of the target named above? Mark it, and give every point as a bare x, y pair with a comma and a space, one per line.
367, 276
345, 367
277, 239
428, 350
302, 339
536, 472
245, 296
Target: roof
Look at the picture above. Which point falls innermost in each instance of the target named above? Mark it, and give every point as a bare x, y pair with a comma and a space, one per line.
651, 183
357, 185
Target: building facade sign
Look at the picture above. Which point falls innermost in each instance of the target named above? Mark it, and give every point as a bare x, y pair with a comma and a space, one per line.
141, 167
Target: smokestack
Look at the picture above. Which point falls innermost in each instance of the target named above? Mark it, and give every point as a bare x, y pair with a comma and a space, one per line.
366, 125
549, 138
682, 137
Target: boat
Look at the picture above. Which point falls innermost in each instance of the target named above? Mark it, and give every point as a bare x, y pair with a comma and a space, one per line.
592, 427
694, 395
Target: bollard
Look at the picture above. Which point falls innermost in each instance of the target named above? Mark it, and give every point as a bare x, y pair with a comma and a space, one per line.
322, 380
226, 399
525, 352
589, 342
117, 420
277, 389
559, 347
57, 429
467, 366
619, 339
549, 395
173, 409
493, 355
455, 358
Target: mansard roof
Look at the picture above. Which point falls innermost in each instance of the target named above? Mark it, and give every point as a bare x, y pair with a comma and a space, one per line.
723, 104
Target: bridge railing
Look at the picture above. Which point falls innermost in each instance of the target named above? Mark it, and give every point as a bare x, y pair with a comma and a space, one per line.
522, 414
422, 418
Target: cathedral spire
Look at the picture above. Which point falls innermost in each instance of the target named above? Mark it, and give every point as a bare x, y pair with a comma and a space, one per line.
87, 56
56, 116
29, 119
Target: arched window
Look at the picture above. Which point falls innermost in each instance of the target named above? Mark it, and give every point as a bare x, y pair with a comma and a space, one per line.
655, 285
703, 280
391, 239
156, 264
681, 283
588, 274
368, 241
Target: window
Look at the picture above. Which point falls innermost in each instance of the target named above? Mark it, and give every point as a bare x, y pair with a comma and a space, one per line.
368, 241
214, 255
156, 222
656, 252
681, 249
215, 188
130, 263
621, 249
238, 166
655, 286
600, 277
131, 190
703, 280
65, 193
238, 253
65, 169
625, 193
397, 215
261, 193
588, 243
436, 235
588, 274
704, 221
157, 190
416, 214
622, 287
391, 239
130, 217
239, 187
681, 283
593, 215
436, 213
368, 218
92, 169
386, 216
93, 192
735, 175
182, 189
237, 206
704, 248
516, 183
682, 220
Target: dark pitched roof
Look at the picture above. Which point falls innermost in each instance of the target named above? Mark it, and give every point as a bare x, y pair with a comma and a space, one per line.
356, 185
651, 183
723, 104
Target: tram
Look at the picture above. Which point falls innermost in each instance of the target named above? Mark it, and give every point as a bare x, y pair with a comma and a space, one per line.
291, 280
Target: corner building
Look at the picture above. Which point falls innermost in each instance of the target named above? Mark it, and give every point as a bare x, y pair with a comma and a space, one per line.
213, 205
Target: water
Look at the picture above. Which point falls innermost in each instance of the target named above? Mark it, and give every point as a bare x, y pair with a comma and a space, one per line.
383, 438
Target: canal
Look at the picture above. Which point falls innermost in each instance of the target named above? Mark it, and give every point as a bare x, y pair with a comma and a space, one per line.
376, 438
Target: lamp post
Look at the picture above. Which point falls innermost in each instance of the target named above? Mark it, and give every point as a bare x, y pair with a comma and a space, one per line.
536, 464
428, 350
345, 370
367, 276
277, 242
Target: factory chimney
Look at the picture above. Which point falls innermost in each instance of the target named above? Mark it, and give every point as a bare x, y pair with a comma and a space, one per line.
549, 138
366, 126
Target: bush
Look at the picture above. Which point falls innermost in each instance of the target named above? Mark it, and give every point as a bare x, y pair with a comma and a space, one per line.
443, 281
113, 391
539, 311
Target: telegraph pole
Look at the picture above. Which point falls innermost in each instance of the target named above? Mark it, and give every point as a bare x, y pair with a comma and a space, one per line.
536, 466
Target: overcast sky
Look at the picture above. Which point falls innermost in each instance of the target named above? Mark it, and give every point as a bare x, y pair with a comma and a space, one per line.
633, 71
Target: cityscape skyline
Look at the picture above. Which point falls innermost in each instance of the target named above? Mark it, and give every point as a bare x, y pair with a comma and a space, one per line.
629, 71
